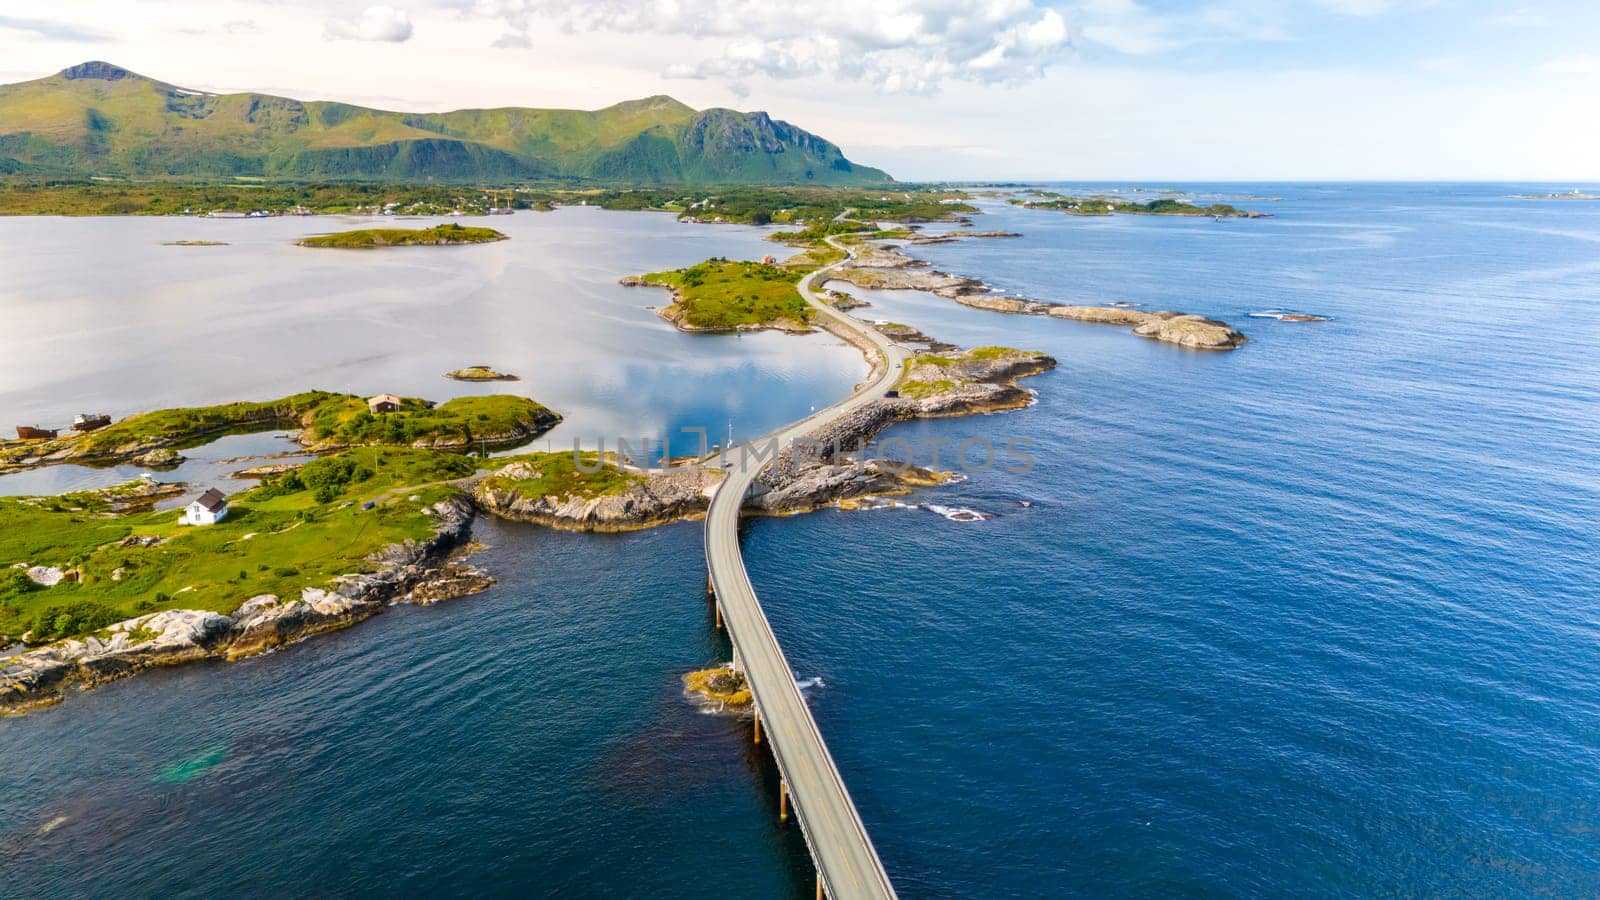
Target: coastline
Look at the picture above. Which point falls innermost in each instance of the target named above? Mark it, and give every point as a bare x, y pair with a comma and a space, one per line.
412, 572
833, 472
885, 267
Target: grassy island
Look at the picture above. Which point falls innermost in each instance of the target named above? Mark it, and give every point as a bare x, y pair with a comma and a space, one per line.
465, 423
479, 373
936, 374
725, 295
326, 421
733, 295
297, 530
370, 238
1105, 206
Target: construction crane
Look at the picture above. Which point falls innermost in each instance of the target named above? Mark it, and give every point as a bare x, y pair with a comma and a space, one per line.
495, 209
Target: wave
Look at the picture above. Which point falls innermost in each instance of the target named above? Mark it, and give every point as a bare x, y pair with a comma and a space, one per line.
957, 513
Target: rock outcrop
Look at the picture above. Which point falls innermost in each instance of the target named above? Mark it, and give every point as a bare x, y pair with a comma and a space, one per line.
885, 268
720, 689
666, 496
1194, 332
402, 573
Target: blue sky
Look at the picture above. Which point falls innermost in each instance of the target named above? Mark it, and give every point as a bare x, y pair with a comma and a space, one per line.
1115, 89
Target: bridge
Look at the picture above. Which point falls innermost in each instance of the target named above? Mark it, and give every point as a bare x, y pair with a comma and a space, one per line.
847, 865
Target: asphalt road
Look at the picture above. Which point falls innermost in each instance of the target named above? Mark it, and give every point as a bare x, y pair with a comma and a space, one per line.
846, 861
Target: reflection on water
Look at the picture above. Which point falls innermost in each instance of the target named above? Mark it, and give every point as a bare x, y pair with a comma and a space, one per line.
211, 465
99, 316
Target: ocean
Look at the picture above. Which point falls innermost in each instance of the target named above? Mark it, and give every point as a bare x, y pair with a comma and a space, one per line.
1317, 616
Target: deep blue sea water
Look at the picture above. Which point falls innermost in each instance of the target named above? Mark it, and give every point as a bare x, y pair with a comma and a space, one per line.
1318, 616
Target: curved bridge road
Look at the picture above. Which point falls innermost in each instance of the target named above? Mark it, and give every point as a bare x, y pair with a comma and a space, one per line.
847, 864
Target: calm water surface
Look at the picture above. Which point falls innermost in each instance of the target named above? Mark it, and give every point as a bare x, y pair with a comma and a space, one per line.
101, 317
1317, 616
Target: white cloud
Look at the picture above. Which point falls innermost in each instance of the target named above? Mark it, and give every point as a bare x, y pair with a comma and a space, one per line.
899, 46
376, 23
1130, 28
1579, 64
52, 31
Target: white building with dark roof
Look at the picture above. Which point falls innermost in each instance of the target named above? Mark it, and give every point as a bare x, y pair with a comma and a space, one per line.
207, 509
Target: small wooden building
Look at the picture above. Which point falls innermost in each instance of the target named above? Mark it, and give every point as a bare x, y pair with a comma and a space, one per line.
207, 509
383, 403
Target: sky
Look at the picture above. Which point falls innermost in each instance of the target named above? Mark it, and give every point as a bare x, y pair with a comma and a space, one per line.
932, 89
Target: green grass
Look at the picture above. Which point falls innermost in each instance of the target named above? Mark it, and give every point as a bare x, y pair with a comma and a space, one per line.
930, 359
720, 293
498, 418
916, 390
437, 236
341, 419
306, 529
951, 372
559, 476
184, 426
480, 373
992, 352
820, 230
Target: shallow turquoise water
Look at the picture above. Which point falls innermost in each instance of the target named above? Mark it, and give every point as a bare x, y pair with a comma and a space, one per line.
1317, 616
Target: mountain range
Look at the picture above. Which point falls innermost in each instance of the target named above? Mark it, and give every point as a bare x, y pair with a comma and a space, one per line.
98, 119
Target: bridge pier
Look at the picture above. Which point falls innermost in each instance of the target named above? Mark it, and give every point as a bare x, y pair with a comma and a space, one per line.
783, 800
757, 713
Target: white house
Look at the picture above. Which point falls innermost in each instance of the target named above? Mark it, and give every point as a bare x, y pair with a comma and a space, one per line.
207, 509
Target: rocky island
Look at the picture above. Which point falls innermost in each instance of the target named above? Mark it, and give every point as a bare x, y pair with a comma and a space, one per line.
325, 421
732, 295
1106, 206
446, 235
479, 373
883, 267
719, 689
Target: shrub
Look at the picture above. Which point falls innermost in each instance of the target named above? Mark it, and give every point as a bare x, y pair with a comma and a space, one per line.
18, 582
70, 619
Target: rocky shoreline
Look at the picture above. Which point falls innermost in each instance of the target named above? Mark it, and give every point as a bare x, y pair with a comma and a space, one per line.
884, 267
830, 468
414, 572
807, 476
669, 496
158, 452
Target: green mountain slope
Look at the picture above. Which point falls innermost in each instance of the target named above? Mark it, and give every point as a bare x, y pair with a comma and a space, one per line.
100, 119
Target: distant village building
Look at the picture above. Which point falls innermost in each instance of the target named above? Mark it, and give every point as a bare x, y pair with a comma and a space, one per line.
383, 403
207, 509
768, 260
